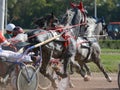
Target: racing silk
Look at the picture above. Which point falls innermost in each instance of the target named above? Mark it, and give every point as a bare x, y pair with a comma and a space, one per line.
8, 36
2, 38
19, 38
10, 55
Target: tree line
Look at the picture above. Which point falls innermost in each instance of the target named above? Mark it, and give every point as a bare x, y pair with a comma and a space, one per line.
23, 12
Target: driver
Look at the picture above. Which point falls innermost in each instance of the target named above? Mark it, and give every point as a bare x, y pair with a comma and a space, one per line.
11, 56
18, 35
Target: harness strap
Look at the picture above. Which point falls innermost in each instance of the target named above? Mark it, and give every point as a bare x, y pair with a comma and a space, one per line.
88, 54
87, 47
66, 36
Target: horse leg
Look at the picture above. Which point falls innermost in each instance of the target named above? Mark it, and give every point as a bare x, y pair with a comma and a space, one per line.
71, 68
84, 68
84, 72
100, 66
46, 69
65, 65
72, 62
70, 56
69, 82
79, 66
87, 69
71, 85
49, 73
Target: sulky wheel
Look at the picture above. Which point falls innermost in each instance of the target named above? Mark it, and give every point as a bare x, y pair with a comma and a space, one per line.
24, 81
44, 82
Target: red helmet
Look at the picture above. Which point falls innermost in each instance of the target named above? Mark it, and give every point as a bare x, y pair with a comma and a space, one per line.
17, 30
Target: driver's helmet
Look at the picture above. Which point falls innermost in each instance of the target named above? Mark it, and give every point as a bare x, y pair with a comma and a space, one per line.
17, 30
10, 27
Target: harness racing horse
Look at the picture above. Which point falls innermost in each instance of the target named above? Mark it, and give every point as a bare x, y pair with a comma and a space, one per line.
88, 49
57, 48
43, 22
67, 20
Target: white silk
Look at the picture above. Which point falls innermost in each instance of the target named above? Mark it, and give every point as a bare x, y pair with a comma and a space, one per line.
14, 56
21, 37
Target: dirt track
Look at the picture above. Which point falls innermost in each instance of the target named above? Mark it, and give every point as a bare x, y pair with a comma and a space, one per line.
97, 82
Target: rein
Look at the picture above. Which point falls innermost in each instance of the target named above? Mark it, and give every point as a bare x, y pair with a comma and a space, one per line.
81, 43
36, 35
59, 30
66, 27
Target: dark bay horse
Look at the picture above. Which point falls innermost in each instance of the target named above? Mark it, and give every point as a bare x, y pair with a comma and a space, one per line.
46, 22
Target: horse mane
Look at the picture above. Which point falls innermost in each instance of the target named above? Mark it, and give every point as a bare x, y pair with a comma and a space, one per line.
91, 20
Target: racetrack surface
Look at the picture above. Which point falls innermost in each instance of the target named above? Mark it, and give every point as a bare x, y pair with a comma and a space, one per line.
97, 82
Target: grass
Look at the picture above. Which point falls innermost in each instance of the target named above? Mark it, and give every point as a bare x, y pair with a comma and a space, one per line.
110, 59
110, 50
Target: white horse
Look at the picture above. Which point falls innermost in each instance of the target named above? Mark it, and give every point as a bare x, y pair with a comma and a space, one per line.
88, 49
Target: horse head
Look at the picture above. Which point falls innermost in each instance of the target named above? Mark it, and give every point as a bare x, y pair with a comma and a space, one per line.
40, 22
47, 22
73, 17
52, 20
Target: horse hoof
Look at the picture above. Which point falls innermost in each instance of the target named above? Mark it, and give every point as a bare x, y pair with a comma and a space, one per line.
87, 78
71, 85
55, 84
109, 79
